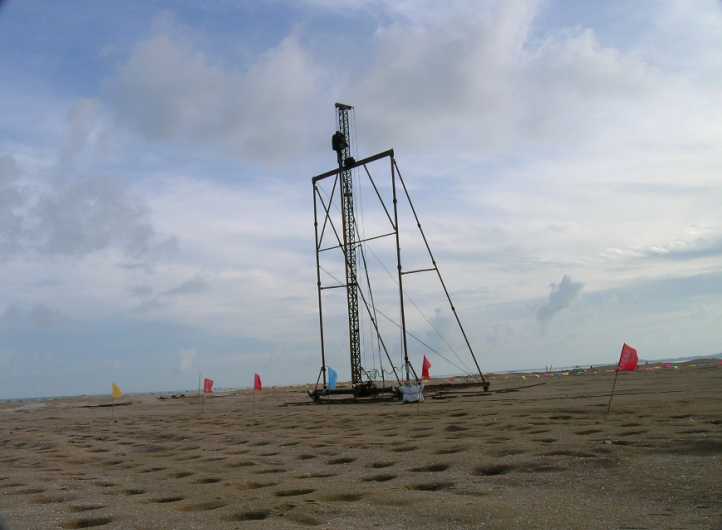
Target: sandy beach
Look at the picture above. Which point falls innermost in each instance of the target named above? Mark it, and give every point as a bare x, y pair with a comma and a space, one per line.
540, 456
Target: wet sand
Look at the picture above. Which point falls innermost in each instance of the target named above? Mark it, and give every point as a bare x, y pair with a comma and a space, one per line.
545, 456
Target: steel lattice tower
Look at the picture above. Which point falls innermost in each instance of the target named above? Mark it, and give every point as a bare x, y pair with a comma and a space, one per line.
341, 143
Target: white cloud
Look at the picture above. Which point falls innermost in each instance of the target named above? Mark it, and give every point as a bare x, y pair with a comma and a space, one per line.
89, 214
18, 316
561, 297
196, 285
171, 90
11, 201
82, 121
479, 80
187, 359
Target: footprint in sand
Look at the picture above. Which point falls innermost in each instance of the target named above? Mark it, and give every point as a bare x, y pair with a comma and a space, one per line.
456, 428
165, 500
450, 450
52, 500
180, 474
432, 486
293, 493
405, 449
343, 497
576, 454
208, 480
85, 508
152, 470
540, 468
492, 470
133, 492
379, 465
238, 452
26, 491
248, 516
242, 463
88, 522
343, 460
318, 475
433, 468
202, 507
256, 485
379, 478
509, 452
269, 471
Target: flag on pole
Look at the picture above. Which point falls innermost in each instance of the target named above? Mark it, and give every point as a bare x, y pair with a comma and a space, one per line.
117, 393
257, 382
425, 369
207, 386
332, 379
628, 360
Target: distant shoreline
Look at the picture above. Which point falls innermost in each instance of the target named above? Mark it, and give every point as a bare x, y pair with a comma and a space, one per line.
491, 375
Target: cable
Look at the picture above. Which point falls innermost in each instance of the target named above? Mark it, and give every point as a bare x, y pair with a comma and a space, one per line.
423, 315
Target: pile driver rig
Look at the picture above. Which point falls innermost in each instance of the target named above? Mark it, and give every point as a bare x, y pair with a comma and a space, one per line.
351, 244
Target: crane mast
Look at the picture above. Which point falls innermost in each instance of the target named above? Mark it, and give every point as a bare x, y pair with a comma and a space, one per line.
341, 143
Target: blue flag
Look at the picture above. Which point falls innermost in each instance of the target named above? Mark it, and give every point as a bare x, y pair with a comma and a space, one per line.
332, 378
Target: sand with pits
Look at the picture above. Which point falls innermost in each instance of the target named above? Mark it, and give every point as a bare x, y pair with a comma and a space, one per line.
546, 456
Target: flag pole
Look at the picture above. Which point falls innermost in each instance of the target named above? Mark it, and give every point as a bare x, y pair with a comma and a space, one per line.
616, 374
200, 408
327, 388
253, 406
203, 399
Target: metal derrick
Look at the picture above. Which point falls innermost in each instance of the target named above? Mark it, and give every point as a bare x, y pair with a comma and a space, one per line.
351, 245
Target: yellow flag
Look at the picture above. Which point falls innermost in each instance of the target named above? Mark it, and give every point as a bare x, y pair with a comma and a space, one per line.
117, 393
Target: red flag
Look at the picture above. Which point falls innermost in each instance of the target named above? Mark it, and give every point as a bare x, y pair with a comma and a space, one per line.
257, 383
207, 386
425, 369
628, 360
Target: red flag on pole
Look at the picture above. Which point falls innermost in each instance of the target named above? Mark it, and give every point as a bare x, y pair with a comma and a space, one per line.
257, 383
207, 386
628, 360
425, 369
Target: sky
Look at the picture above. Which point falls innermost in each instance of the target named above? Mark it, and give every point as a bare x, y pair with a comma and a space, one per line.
156, 206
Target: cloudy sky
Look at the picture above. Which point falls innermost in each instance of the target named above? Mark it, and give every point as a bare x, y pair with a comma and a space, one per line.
156, 156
